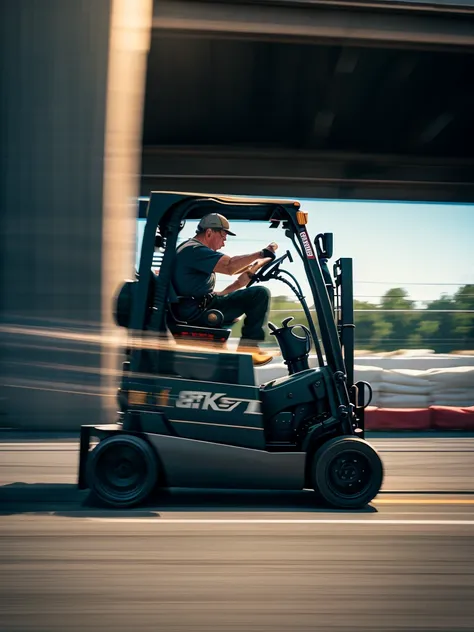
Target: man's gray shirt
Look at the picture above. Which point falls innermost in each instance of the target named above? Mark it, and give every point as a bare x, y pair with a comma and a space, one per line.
193, 274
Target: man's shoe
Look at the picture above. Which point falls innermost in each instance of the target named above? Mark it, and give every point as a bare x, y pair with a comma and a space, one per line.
259, 357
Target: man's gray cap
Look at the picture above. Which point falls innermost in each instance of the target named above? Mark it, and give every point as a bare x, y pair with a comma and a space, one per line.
216, 221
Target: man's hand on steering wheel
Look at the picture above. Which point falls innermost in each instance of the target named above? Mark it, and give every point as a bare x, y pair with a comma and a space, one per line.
268, 255
246, 277
269, 251
267, 269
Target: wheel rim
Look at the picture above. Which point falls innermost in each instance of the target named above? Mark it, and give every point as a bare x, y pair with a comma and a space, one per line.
121, 472
349, 474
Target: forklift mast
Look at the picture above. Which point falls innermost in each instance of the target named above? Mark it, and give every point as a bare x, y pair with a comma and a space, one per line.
344, 313
344, 316
341, 296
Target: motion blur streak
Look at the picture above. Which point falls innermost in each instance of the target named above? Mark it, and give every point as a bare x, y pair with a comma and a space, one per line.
114, 337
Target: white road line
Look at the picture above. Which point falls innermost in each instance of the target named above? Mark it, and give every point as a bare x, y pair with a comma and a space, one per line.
352, 521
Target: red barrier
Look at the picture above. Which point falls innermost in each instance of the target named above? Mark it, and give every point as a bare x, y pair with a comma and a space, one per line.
397, 419
452, 418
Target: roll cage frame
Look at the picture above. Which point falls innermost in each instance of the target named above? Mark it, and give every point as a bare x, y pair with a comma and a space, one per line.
166, 212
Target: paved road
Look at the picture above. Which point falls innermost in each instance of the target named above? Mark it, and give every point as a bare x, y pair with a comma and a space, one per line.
406, 567
214, 561
411, 464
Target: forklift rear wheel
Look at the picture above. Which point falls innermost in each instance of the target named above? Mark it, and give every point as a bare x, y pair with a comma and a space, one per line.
122, 470
347, 472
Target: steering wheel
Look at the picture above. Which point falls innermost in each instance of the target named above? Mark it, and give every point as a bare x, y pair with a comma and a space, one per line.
268, 270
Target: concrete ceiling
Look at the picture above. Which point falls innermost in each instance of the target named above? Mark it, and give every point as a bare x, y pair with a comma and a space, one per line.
217, 103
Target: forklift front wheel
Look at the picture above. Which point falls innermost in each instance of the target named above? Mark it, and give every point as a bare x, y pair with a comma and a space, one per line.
122, 470
347, 472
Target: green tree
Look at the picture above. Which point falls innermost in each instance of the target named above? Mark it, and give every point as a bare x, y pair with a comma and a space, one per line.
439, 312
436, 327
402, 324
367, 323
396, 298
382, 334
463, 323
424, 334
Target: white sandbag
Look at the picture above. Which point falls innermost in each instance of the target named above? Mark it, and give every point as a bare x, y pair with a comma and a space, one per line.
437, 360
456, 402
453, 397
371, 374
409, 377
453, 377
386, 400
404, 389
454, 392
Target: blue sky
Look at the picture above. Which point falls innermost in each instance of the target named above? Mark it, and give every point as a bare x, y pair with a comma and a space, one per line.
425, 248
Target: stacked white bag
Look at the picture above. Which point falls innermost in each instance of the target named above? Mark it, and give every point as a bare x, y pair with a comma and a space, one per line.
402, 388
372, 375
452, 387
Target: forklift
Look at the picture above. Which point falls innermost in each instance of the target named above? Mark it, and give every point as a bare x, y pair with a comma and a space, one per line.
190, 414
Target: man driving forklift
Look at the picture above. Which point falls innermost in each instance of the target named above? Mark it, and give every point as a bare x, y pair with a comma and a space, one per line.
194, 276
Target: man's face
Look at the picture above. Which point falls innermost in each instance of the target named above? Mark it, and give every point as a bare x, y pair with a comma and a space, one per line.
216, 239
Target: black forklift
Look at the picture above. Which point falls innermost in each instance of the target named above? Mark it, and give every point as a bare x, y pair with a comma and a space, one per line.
190, 413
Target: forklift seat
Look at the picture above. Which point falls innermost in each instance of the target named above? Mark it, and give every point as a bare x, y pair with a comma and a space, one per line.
208, 326
197, 331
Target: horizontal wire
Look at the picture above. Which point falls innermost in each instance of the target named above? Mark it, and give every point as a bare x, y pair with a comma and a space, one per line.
378, 311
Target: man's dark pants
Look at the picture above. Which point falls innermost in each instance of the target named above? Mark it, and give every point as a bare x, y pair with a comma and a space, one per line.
252, 301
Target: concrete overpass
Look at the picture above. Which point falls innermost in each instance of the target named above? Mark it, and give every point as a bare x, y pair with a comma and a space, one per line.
275, 97
346, 99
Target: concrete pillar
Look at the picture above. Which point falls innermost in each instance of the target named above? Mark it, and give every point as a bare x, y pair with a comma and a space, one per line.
71, 95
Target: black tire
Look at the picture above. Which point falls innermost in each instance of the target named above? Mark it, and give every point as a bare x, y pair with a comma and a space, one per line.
346, 472
122, 470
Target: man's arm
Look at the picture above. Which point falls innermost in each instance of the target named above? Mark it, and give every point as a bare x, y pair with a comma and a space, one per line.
244, 278
231, 265
241, 281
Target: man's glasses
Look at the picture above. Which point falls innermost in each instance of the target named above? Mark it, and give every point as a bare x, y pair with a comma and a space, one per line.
222, 232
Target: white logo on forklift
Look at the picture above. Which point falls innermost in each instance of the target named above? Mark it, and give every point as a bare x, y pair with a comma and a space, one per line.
215, 401
307, 244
